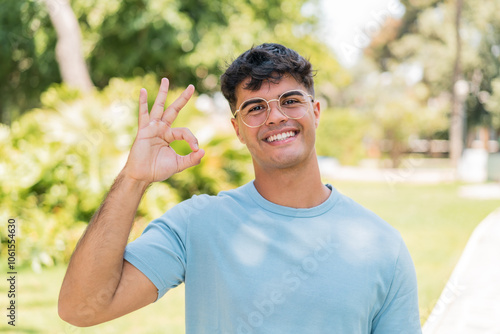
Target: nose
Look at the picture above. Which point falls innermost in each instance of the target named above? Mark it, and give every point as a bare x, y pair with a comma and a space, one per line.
275, 114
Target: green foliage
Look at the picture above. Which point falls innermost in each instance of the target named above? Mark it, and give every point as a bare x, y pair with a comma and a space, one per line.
401, 112
27, 56
393, 110
340, 135
191, 41
187, 41
62, 159
426, 37
493, 104
223, 167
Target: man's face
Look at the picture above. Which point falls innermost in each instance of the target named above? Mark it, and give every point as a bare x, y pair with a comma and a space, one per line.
288, 151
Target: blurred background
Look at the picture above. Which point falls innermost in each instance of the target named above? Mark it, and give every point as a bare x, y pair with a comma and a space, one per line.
410, 124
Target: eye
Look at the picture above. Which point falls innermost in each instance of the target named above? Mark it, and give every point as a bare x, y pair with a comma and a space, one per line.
291, 100
255, 109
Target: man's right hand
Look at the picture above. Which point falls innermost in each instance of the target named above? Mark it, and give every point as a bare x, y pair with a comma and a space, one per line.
151, 158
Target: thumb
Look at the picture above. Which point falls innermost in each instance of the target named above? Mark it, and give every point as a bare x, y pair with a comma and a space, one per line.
190, 160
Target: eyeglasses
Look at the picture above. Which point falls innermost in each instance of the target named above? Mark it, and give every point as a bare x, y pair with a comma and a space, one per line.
293, 104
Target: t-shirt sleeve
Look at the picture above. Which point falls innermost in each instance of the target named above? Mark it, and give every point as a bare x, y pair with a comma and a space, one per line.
160, 253
399, 313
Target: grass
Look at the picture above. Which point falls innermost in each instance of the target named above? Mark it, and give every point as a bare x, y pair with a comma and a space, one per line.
434, 221
37, 309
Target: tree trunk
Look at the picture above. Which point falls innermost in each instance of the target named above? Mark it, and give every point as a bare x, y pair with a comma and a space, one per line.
458, 95
69, 52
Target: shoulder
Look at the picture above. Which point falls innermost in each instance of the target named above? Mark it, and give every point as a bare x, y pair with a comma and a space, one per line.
366, 229
206, 205
361, 216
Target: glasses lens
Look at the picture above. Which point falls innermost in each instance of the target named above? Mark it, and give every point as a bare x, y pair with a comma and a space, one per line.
294, 104
254, 111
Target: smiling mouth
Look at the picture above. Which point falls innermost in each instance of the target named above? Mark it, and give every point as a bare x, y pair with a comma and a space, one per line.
281, 136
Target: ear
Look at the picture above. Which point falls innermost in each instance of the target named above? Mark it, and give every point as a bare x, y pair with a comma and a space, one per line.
317, 112
236, 127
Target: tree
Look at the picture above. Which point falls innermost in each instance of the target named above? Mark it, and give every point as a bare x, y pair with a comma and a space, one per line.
430, 35
27, 58
69, 53
188, 41
459, 92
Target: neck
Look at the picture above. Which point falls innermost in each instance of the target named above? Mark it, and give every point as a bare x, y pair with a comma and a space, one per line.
298, 187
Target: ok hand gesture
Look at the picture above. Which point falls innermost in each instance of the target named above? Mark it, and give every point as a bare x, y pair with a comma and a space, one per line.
152, 158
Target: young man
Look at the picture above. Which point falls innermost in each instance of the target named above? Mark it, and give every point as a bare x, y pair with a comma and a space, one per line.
282, 254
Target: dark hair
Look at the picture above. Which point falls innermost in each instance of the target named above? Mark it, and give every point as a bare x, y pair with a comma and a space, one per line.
266, 62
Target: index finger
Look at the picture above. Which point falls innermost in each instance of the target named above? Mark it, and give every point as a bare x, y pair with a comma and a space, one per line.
172, 111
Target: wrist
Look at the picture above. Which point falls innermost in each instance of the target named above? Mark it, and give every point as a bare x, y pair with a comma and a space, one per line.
132, 183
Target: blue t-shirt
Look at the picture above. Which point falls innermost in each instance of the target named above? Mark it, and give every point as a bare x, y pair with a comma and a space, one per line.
252, 266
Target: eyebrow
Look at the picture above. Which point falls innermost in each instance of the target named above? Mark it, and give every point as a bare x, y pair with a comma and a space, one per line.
248, 102
290, 93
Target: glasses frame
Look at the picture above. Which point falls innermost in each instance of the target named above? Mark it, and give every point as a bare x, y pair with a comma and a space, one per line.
269, 107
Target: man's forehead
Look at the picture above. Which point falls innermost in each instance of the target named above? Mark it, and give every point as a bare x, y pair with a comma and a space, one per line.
267, 87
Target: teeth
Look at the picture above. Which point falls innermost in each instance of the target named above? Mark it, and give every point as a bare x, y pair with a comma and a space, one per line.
281, 136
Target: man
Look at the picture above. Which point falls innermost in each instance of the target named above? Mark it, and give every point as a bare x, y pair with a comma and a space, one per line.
282, 254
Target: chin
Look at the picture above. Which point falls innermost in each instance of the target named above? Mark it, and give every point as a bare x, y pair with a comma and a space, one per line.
285, 161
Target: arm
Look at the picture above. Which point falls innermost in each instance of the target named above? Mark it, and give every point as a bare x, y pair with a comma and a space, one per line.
99, 285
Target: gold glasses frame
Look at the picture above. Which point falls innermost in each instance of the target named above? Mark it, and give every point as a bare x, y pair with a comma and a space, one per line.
269, 107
